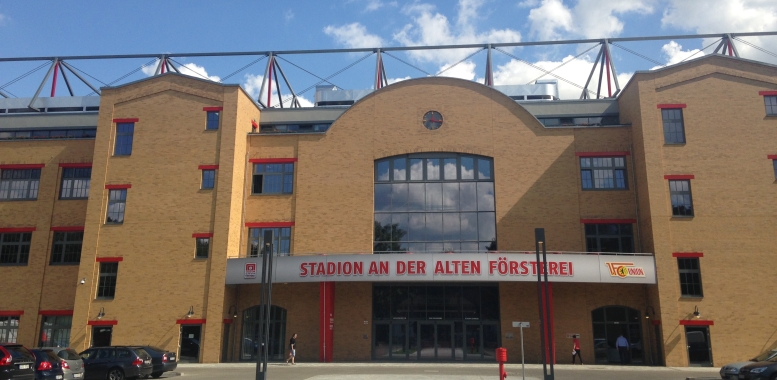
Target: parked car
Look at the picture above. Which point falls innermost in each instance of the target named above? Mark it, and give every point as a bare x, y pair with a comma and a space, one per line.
766, 370
116, 363
48, 366
162, 360
72, 365
16, 362
731, 371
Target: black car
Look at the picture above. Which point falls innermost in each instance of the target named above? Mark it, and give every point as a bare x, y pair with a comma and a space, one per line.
162, 360
16, 362
48, 366
766, 370
116, 363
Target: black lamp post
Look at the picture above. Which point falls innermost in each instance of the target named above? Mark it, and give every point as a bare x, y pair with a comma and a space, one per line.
264, 307
543, 299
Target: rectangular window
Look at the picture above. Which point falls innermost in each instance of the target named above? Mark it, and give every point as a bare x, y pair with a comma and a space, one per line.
771, 105
203, 247
106, 288
213, 120
690, 277
117, 200
281, 244
774, 163
19, 184
273, 179
66, 248
208, 178
55, 331
15, 248
124, 135
603, 173
680, 192
9, 329
75, 183
609, 238
674, 131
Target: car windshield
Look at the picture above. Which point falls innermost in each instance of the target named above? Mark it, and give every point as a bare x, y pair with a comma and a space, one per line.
766, 356
68, 354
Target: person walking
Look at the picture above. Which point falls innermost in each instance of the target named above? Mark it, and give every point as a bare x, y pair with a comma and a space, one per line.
576, 349
292, 349
622, 344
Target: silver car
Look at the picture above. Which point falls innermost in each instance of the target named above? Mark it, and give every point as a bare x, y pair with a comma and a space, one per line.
731, 371
72, 364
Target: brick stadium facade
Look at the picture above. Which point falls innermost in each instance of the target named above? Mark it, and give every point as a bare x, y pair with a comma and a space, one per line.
167, 293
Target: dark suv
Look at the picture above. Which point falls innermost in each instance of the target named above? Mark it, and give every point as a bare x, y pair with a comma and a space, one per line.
16, 362
116, 363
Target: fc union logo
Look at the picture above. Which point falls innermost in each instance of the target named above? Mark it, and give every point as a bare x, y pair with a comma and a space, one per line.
250, 271
624, 270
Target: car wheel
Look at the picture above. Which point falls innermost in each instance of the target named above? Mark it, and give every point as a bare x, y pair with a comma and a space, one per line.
156, 375
115, 374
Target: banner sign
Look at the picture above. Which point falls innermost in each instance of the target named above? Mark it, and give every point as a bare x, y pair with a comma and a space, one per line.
597, 268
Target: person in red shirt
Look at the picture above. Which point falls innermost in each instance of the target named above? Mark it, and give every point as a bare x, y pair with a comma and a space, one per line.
576, 349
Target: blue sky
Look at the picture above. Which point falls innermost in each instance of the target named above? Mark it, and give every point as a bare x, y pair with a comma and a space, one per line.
54, 28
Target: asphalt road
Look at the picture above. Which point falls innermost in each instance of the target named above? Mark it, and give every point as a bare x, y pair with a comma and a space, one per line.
433, 371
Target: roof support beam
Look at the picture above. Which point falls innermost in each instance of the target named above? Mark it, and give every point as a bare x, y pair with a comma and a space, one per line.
86, 82
42, 83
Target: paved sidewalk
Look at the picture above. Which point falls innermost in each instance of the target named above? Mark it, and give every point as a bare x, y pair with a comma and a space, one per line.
436, 371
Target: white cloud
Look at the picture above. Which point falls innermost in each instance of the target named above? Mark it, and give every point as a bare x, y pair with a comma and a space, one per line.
720, 16
464, 70
288, 15
3, 19
253, 86
191, 69
374, 5
353, 35
553, 19
395, 80
675, 54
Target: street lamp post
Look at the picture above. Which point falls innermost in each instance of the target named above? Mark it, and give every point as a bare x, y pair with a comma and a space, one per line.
543, 299
264, 307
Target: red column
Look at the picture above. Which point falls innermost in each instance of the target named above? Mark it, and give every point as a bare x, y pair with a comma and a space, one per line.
54, 80
326, 321
550, 325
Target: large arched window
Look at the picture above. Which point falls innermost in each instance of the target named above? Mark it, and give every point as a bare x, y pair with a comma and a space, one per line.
434, 202
251, 342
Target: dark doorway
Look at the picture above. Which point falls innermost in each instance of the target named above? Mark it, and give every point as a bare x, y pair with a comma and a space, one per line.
435, 322
609, 323
225, 343
277, 339
697, 339
101, 336
190, 344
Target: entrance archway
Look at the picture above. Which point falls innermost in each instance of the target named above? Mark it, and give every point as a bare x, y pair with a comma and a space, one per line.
610, 322
250, 342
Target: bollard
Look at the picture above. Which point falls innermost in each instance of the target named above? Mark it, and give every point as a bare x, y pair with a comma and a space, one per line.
501, 357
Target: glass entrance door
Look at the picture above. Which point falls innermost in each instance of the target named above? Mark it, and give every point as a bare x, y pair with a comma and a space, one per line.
698, 343
435, 341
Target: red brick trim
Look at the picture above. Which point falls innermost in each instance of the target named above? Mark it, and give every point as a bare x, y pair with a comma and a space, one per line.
696, 322
133, 120
55, 313
190, 321
655, 322
208, 167
17, 229
269, 224
767, 93
102, 323
11, 313
679, 176
116, 187
202, 235
601, 154
22, 166
75, 164
109, 259
67, 229
686, 255
671, 105
212, 108
608, 221
772, 156
272, 160
228, 321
